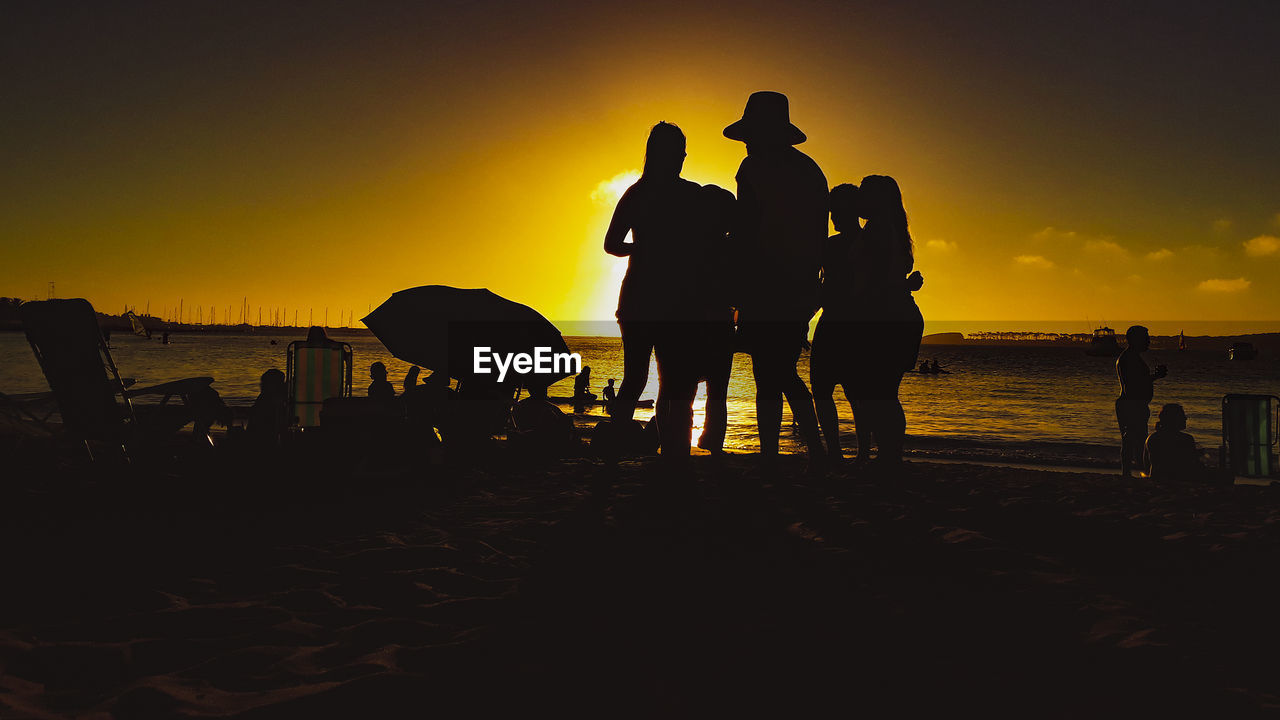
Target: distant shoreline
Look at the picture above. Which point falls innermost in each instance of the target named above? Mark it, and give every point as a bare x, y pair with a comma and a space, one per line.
1263, 341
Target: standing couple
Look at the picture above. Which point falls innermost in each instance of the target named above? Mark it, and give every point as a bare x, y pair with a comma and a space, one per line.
699, 259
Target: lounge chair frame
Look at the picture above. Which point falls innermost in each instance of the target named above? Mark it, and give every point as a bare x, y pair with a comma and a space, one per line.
1250, 456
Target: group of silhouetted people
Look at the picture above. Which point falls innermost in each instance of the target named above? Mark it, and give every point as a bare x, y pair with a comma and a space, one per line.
1169, 453
710, 273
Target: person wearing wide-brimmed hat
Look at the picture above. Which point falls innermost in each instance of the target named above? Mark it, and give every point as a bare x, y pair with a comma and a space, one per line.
782, 197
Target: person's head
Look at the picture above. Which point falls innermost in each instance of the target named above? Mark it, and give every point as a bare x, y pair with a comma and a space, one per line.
1139, 338
538, 391
316, 335
378, 371
272, 381
766, 124
880, 202
1173, 417
610, 381
413, 373
720, 206
664, 152
844, 206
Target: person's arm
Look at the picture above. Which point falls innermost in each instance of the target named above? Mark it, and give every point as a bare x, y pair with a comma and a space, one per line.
619, 226
746, 218
1123, 372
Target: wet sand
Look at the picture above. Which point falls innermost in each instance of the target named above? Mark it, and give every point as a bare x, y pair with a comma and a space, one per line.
358, 591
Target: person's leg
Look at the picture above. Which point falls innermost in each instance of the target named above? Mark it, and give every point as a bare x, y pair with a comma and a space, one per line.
822, 362
764, 368
793, 387
861, 427
1139, 430
1125, 419
719, 369
637, 345
677, 384
895, 422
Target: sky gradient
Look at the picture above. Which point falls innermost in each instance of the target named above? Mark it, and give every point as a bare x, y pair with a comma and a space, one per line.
1076, 163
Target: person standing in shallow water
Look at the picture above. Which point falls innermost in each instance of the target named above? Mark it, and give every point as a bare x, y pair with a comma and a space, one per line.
659, 211
668, 293
853, 332
781, 227
1133, 407
831, 357
886, 315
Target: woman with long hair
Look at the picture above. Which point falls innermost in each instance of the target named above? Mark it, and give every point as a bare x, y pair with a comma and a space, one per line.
882, 258
664, 215
831, 356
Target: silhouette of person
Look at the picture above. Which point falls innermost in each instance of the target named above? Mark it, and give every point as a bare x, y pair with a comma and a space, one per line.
609, 395
411, 379
671, 290
781, 226
269, 415
934, 367
380, 388
428, 404
582, 390
714, 309
888, 319
538, 425
1170, 452
1133, 407
658, 211
831, 355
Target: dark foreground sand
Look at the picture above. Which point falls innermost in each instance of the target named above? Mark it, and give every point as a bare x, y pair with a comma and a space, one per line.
577, 589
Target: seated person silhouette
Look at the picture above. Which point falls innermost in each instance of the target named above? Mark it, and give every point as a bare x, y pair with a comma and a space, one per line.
380, 388
427, 404
1170, 452
411, 378
582, 395
475, 413
539, 426
269, 415
609, 395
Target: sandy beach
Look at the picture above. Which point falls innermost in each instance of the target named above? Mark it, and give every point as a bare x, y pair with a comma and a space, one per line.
336, 590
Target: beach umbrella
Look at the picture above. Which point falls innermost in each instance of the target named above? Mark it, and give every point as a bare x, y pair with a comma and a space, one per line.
440, 327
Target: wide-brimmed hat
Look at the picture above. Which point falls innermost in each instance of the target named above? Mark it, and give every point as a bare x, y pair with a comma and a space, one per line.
766, 118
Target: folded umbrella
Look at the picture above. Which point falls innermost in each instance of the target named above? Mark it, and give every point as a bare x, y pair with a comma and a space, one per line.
439, 327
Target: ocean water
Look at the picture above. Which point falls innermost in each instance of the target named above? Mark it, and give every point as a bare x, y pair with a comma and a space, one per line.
1037, 404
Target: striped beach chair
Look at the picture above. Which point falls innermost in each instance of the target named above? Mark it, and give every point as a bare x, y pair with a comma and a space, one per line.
317, 369
1249, 434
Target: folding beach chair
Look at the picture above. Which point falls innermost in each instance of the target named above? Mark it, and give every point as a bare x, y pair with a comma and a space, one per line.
68, 344
316, 370
1249, 435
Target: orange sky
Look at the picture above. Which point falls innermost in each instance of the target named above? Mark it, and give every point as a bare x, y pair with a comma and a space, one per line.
1057, 165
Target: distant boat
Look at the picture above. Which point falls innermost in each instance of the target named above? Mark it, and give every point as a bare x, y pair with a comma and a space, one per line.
1103, 343
1242, 351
